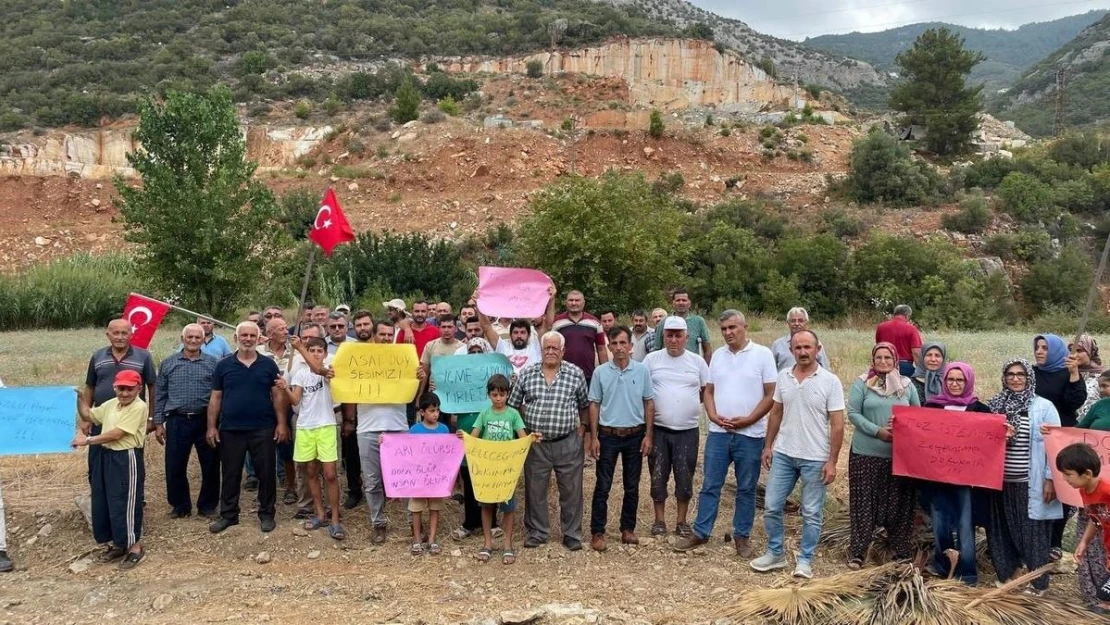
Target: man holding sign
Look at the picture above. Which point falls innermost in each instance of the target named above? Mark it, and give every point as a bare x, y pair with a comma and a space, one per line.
521, 348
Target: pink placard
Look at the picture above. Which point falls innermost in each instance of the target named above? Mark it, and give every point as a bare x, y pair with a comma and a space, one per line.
420, 465
953, 447
1059, 438
513, 293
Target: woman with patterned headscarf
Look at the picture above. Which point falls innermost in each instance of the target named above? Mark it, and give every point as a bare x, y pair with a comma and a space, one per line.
876, 496
1090, 367
1023, 512
929, 372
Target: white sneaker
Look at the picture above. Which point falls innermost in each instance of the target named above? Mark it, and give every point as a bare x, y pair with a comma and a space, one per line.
803, 569
768, 562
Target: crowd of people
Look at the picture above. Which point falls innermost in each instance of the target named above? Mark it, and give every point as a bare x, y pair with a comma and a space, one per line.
584, 385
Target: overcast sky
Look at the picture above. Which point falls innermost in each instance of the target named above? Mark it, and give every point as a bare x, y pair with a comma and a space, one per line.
798, 19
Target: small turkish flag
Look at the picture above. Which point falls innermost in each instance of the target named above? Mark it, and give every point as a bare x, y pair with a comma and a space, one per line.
330, 228
144, 315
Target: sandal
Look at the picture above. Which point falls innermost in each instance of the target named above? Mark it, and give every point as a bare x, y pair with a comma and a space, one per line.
417, 549
461, 533
435, 549
508, 557
314, 523
484, 554
855, 564
337, 532
1056, 554
131, 560
290, 498
111, 554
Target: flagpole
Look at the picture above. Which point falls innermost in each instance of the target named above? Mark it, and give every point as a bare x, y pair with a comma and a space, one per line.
185, 310
304, 285
1092, 294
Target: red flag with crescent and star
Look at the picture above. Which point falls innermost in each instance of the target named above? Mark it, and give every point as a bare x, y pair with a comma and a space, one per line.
330, 228
144, 315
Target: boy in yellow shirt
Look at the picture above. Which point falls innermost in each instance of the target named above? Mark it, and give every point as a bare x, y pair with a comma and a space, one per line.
118, 477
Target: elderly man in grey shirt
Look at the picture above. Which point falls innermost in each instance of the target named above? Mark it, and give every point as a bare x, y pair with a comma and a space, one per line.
796, 321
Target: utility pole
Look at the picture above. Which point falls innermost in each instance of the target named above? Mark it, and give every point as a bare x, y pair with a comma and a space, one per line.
1059, 121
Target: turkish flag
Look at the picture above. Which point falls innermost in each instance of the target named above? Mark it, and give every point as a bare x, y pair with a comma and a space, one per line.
330, 228
144, 315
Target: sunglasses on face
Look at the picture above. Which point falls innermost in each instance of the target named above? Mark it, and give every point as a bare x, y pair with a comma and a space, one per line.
336, 326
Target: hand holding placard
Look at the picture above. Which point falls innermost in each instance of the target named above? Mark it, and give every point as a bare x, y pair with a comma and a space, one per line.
420, 465
495, 466
512, 292
460, 381
374, 373
953, 447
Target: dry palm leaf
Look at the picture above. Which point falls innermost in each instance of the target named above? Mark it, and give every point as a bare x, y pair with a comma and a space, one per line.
812, 603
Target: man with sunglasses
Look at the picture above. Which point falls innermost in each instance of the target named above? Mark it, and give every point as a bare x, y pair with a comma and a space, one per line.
337, 331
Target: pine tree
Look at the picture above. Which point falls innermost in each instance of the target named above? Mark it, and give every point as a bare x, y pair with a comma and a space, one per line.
408, 102
934, 93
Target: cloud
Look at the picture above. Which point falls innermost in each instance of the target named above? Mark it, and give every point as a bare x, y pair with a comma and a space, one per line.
798, 19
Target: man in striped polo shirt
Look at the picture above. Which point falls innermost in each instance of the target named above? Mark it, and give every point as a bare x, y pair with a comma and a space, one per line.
585, 340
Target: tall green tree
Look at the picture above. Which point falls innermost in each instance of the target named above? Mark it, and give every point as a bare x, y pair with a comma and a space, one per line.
934, 92
206, 229
407, 107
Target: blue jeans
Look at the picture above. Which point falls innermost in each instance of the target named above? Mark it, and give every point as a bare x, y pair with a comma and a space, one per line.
951, 511
781, 479
743, 454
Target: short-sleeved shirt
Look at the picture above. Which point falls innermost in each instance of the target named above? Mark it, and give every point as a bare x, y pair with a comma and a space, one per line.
677, 382
620, 393
184, 384
246, 403
643, 345
784, 358
804, 432
582, 338
130, 418
316, 408
697, 333
553, 409
103, 368
738, 379
1098, 509
263, 349
420, 428
438, 347
381, 418
421, 338
499, 426
900, 333
520, 358
333, 347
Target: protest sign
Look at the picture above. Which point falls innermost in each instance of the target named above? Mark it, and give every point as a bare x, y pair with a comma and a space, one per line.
420, 465
373, 373
1059, 438
513, 293
461, 380
954, 447
495, 466
37, 419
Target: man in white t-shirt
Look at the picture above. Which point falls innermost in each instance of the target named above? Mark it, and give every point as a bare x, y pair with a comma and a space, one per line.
678, 378
742, 378
523, 345
805, 430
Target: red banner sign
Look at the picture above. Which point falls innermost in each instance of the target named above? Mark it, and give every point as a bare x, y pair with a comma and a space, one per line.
953, 447
1059, 438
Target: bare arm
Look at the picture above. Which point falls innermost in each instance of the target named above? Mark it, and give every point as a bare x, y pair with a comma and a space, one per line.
836, 440
549, 313
595, 417
774, 420
711, 407
602, 354
761, 409
706, 350
213, 415
916, 354
487, 329
294, 395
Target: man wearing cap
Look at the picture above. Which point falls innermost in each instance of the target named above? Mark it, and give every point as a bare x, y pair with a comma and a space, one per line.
214, 345
345, 310
697, 332
585, 339
181, 421
247, 414
395, 308
678, 378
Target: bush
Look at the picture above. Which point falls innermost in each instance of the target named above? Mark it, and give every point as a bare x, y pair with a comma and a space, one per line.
302, 109
449, 106
433, 116
440, 85
1058, 283
817, 265
1076, 195
1026, 199
986, 174
726, 131
726, 263
763, 219
656, 127
332, 105
298, 211
1079, 150
840, 224
383, 125
973, 218
79, 291
356, 146
534, 69
881, 170
407, 107
668, 183
402, 263
1029, 244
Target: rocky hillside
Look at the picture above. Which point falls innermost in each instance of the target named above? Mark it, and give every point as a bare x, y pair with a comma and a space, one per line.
1031, 101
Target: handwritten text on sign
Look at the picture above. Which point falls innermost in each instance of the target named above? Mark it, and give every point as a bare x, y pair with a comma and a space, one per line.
495, 466
1059, 438
513, 293
420, 465
461, 380
37, 419
372, 373
954, 447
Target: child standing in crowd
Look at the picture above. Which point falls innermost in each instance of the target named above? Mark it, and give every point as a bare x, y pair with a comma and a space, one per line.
499, 422
316, 443
1081, 466
118, 476
428, 410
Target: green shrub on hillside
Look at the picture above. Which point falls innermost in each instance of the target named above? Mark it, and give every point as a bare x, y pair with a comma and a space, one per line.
881, 170
973, 218
1061, 282
1027, 199
1029, 244
656, 127
534, 69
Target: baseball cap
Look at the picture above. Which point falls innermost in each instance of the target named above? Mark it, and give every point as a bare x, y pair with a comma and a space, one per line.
127, 377
396, 302
343, 308
674, 323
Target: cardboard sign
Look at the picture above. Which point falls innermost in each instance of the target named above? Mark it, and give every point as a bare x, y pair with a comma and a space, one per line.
495, 466
1059, 438
373, 373
512, 293
37, 419
461, 380
949, 446
420, 465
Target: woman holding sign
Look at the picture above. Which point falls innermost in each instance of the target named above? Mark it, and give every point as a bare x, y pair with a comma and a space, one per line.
877, 497
1023, 512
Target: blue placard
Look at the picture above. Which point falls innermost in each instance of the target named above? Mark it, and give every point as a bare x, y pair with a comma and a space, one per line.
37, 419
461, 380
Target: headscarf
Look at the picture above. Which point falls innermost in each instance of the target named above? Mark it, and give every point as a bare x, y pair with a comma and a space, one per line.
1010, 403
944, 398
1088, 344
1057, 353
478, 342
889, 383
934, 380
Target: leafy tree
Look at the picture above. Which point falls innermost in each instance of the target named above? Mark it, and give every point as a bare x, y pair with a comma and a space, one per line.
881, 170
534, 69
1026, 199
934, 93
204, 226
572, 234
1081, 150
817, 264
656, 127
298, 211
1058, 283
407, 107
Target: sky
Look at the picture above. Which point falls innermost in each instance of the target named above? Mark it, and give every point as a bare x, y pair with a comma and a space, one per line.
798, 19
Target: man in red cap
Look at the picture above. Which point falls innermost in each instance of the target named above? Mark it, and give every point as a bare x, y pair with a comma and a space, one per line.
118, 475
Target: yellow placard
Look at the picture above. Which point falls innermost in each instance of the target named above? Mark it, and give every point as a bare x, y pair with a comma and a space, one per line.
495, 466
374, 373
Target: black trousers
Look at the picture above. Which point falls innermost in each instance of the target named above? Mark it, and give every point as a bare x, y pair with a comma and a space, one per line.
234, 447
352, 464
627, 448
183, 434
118, 479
